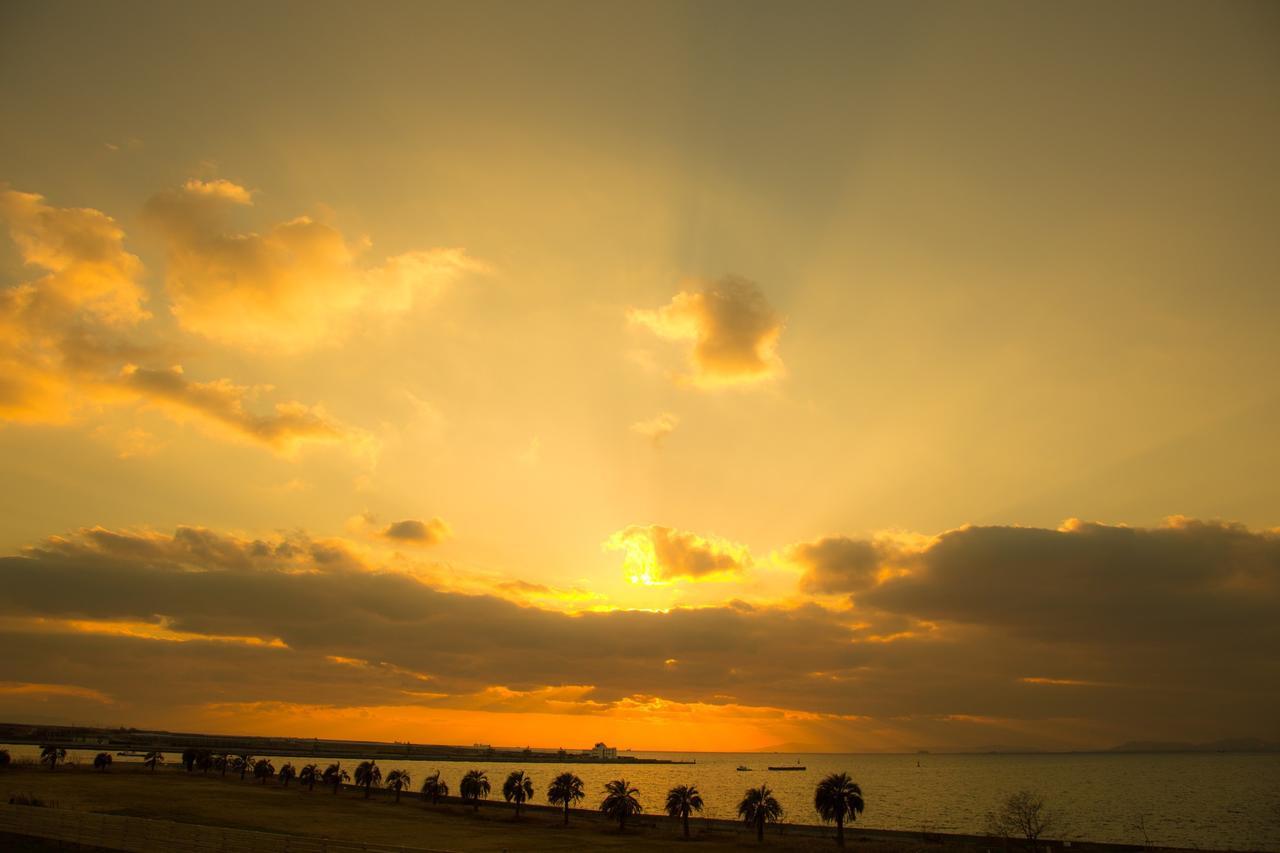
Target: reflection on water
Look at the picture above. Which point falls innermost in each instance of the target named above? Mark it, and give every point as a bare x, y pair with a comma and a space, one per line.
1221, 801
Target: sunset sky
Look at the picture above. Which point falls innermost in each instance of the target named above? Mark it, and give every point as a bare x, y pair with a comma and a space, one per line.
713, 375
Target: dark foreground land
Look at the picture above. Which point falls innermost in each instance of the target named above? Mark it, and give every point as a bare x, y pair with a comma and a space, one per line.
174, 795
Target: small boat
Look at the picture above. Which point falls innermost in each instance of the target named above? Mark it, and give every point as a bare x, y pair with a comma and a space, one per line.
742, 768
789, 767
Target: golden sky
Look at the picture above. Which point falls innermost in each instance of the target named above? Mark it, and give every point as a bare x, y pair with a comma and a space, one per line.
676, 374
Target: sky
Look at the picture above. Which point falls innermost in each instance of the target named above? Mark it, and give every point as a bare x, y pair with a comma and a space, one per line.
854, 377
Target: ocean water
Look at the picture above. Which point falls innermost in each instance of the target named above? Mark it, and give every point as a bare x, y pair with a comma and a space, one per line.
1221, 801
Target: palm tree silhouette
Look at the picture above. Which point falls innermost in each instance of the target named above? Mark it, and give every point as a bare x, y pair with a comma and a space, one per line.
368, 776
5, 758
51, 755
263, 769
102, 761
759, 807
152, 759
620, 802
287, 774
517, 789
565, 790
242, 763
334, 775
474, 786
435, 788
308, 776
681, 800
838, 798
398, 780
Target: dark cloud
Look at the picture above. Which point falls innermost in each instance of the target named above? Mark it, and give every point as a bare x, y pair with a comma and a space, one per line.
422, 532
1109, 633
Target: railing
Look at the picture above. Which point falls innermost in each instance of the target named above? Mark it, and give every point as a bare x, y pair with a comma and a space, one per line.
143, 835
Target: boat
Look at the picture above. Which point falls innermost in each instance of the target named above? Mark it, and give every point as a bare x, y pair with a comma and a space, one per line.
790, 767
742, 768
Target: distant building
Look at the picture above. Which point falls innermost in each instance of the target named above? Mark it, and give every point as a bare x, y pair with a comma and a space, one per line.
603, 752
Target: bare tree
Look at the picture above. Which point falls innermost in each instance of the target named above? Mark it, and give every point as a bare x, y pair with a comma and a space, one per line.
1022, 814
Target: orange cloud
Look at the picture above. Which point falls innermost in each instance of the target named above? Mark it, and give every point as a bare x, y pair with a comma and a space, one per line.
733, 330
656, 554
23, 688
296, 285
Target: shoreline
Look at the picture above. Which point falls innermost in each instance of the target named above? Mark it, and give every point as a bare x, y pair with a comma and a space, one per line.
173, 794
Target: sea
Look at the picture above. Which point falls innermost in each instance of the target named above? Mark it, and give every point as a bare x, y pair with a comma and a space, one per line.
1217, 801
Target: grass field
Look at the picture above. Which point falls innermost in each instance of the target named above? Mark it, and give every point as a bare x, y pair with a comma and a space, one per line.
172, 794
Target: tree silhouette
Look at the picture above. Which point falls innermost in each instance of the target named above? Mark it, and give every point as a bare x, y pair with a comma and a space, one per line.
681, 800
398, 780
838, 798
5, 758
474, 787
243, 763
334, 775
263, 770
759, 807
152, 759
517, 789
1022, 813
102, 761
620, 802
434, 787
368, 776
308, 776
287, 774
565, 790
51, 755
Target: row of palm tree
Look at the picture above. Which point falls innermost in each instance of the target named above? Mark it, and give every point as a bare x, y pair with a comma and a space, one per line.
837, 798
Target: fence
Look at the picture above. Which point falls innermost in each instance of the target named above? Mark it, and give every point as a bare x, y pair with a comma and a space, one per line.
143, 835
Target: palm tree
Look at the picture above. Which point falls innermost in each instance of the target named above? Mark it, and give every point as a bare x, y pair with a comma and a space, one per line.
759, 807
517, 789
152, 759
565, 790
620, 802
681, 800
368, 776
474, 787
334, 775
5, 758
263, 769
102, 761
435, 788
242, 763
838, 798
287, 774
51, 755
308, 776
398, 780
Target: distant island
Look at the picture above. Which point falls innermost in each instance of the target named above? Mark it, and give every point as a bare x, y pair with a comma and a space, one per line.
1245, 744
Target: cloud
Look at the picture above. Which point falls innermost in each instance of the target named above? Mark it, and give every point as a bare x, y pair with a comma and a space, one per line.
656, 428
298, 284
71, 338
421, 532
733, 329
656, 554
839, 564
223, 403
57, 327
958, 647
